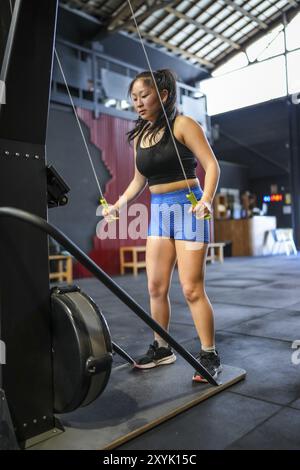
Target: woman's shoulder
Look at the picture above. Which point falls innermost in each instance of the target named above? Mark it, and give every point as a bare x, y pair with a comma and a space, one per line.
182, 119
184, 125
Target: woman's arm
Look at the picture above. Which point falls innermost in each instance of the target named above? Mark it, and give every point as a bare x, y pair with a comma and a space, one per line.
194, 138
135, 187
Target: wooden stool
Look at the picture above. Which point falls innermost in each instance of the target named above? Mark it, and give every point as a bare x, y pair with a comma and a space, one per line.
135, 264
212, 255
62, 273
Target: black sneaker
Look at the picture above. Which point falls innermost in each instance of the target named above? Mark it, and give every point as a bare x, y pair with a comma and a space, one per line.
156, 356
211, 362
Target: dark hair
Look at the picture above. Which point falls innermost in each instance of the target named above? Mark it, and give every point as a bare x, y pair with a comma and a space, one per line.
165, 80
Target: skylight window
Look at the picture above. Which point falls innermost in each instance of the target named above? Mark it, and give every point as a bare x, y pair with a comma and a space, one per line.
245, 87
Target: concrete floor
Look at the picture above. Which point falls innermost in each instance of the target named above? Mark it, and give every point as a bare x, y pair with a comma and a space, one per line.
257, 315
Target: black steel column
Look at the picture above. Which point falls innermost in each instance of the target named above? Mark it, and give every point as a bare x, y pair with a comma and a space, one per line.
294, 130
293, 111
5, 19
24, 278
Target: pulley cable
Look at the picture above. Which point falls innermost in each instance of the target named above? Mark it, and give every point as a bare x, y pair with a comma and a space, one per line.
102, 199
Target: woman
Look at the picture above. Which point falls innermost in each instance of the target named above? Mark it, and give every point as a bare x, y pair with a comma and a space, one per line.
178, 234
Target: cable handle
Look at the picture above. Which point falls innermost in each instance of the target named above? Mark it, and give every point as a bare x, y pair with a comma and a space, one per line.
193, 200
105, 205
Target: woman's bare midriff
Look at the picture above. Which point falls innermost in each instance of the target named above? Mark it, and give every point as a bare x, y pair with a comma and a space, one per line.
174, 186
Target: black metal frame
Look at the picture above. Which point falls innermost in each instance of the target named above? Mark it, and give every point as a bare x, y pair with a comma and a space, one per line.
294, 146
24, 272
5, 60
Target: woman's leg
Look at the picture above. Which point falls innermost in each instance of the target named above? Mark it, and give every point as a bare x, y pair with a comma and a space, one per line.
191, 269
160, 262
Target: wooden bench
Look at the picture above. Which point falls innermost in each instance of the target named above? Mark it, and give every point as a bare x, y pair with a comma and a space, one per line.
215, 252
134, 263
64, 268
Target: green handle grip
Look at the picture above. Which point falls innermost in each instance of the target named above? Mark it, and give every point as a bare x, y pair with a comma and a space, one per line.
193, 200
104, 203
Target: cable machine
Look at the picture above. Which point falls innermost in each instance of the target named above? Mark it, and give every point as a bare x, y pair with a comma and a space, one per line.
57, 344
26, 62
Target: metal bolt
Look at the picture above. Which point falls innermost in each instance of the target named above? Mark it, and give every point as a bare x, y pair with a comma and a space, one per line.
27, 155
35, 421
6, 152
44, 417
36, 157
17, 154
25, 425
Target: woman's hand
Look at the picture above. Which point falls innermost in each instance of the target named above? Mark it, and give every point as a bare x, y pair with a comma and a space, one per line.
202, 209
110, 212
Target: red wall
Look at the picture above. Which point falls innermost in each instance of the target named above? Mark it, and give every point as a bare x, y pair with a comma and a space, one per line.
109, 135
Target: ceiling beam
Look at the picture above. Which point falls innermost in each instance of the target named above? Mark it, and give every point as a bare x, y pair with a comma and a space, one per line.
170, 24
175, 49
157, 5
291, 13
245, 12
122, 13
293, 3
199, 25
84, 7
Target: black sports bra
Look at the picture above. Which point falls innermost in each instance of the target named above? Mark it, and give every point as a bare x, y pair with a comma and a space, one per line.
159, 163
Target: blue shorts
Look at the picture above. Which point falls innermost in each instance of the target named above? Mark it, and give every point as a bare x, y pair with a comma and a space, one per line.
170, 217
